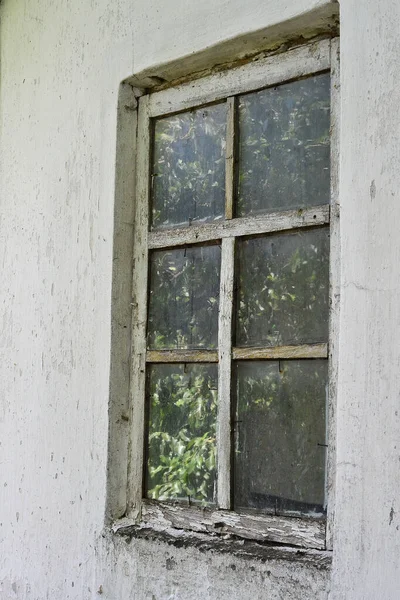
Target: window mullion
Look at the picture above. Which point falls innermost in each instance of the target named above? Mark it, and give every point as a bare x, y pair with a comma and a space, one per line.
224, 374
230, 156
139, 312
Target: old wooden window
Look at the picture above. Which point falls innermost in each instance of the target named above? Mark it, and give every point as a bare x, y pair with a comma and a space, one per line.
230, 379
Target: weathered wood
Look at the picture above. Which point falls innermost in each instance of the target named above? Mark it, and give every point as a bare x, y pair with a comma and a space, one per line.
282, 352
226, 544
224, 374
182, 356
139, 312
121, 310
269, 223
295, 63
334, 278
230, 156
301, 532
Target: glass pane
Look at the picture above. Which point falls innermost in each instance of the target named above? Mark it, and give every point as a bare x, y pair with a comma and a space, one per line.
284, 147
181, 446
283, 289
189, 167
280, 435
184, 291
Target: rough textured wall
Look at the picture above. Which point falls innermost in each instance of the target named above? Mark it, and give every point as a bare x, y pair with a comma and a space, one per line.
367, 540
60, 69
61, 65
146, 570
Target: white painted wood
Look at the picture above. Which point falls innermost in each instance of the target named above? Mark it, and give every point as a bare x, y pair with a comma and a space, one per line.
301, 532
230, 156
282, 352
334, 277
139, 313
268, 223
224, 374
295, 63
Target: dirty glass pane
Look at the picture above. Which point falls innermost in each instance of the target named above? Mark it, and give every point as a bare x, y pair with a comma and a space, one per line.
189, 167
280, 435
283, 289
182, 424
184, 292
284, 146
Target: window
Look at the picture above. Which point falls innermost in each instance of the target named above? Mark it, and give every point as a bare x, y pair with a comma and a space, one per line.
230, 375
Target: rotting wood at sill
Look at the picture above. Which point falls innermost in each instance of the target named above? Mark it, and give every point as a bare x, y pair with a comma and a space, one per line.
303, 533
238, 548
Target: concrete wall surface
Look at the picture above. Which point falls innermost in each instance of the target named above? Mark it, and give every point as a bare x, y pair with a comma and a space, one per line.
61, 67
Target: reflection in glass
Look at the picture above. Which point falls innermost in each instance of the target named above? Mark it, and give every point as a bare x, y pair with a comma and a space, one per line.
280, 435
283, 289
184, 293
284, 148
189, 167
181, 444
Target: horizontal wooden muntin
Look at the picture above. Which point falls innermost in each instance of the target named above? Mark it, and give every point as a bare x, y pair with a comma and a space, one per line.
182, 356
281, 352
242, 226
302, 351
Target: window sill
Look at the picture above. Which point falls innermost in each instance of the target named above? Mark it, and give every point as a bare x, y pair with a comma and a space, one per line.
245, 534
224, 532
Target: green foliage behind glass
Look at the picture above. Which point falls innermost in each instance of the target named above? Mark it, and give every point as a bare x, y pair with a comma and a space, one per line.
189, 167
283, 289
284, 148
182, 445
280, 433
184, 298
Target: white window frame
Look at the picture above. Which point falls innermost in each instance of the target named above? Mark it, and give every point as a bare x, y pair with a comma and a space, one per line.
305, 532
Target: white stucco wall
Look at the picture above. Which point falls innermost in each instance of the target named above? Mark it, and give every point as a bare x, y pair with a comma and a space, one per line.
61, 66
367, 544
